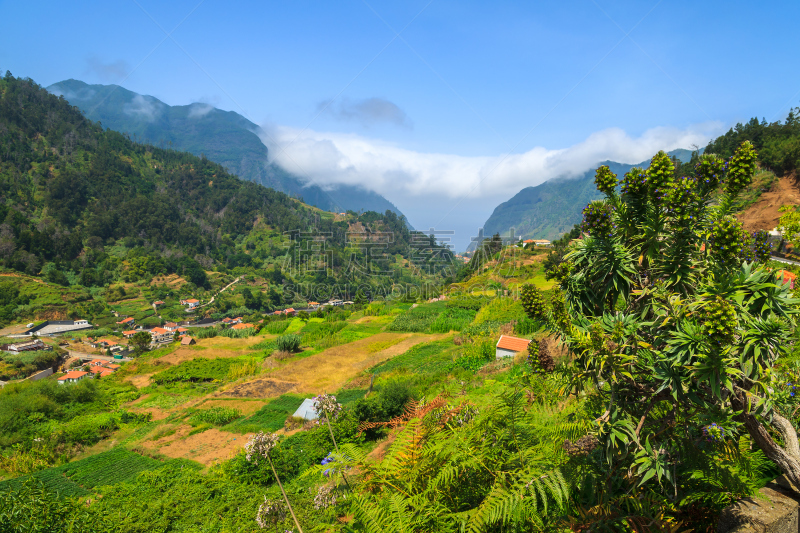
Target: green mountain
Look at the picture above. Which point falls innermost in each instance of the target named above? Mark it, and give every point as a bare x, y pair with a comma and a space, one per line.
86, 206
224, 137
548, 210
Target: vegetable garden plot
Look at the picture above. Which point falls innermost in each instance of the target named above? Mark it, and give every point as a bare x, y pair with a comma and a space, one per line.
76, 478
271, 417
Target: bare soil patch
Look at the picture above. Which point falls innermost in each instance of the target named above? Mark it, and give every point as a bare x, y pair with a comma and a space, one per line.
380, 451
331, 369
213, 348
764, 213
156, 413
207, 447
247, 407
259, 388
140, 381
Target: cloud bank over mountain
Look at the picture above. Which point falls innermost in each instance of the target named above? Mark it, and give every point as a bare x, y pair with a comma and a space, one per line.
329, 158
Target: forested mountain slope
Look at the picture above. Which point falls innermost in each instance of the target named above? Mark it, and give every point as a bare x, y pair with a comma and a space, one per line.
548, 210
224, 137
94, 205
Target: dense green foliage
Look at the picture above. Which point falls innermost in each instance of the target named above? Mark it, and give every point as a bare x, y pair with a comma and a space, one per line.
669, 334
194, 371
61, 416
288, 343
82, 206
777, 143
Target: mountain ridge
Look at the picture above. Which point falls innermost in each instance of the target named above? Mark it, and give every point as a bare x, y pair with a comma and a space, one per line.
234, 142
548, 210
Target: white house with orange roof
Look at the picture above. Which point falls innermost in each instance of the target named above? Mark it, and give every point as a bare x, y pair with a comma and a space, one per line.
191, 303
73, 376
160, 335
509, 346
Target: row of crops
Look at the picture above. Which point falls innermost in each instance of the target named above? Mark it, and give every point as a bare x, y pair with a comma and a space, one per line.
433, 319
77, 478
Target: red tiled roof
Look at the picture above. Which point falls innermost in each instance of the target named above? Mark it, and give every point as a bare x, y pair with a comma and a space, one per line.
97, 362
112, 366
126, 320
242, 326
515, 344
158, 331
74, 374
96, 369
192, 301
526, 241
105, 373
159, 302
129, 332
183, 329
109, 342
171, 324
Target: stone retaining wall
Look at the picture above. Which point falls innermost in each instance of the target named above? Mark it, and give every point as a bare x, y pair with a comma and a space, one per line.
775, 510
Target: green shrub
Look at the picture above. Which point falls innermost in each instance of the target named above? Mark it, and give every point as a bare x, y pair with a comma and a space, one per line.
288, 343
276, 327
484, 329
424, 358
209, 333
394, 396
417, 319
31, 507
475, 356
267, 345
217, 416
195, 370
500, 310
527, 326
452, 319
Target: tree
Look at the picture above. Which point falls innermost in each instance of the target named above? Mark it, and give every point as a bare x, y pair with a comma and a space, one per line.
140, 342
789, 224
674, 322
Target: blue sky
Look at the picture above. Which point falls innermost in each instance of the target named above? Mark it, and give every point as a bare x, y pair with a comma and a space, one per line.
467, 105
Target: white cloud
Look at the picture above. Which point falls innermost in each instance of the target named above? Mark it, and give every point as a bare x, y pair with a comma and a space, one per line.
142, 105
332, 158
199, 110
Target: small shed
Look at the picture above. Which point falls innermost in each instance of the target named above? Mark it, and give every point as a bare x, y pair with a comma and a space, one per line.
306, 410
187, 341
509, 346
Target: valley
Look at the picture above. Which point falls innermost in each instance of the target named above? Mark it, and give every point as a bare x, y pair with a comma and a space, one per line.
226, 357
